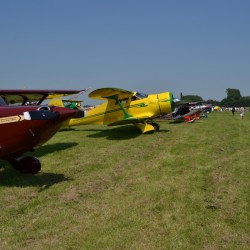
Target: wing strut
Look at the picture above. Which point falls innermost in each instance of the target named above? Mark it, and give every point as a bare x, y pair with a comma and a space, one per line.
125, 113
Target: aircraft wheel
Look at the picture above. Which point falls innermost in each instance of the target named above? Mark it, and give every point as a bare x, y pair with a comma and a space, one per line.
26, 165
156, 126
150, 132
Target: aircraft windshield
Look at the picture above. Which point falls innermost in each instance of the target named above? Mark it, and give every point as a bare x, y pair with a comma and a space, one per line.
141, 95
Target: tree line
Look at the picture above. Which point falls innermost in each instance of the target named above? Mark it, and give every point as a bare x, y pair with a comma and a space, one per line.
233, 99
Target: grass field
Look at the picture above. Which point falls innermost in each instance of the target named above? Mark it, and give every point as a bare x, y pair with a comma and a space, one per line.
185, 187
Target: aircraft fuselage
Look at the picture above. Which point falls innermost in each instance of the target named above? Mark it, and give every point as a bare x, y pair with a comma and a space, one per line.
19, 135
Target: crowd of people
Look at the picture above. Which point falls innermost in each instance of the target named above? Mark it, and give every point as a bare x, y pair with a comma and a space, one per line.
241, 110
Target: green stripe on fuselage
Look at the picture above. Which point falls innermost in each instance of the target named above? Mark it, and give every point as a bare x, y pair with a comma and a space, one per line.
139, 105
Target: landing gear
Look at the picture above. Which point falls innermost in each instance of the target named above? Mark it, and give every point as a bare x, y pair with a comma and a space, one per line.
148, 127
156, 126
26, 164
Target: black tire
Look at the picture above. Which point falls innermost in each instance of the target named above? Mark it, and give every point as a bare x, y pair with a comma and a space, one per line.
156, 126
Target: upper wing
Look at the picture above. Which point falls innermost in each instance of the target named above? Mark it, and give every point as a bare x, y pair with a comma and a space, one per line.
23, 96
109, 93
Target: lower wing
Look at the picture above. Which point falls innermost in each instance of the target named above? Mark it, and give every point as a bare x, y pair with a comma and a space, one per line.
129, 120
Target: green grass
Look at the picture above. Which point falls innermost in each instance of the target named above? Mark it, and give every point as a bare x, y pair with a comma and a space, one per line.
185, 187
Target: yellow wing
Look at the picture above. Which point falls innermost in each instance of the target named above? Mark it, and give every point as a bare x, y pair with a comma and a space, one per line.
114, 94
56, 96
109, 93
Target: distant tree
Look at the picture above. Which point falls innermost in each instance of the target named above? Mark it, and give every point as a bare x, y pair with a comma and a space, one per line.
246, 101
225, 102
233, 94
191, 98
181, 96
234, 98
214, 102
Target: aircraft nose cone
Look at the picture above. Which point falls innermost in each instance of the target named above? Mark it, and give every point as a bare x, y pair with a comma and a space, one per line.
166, 104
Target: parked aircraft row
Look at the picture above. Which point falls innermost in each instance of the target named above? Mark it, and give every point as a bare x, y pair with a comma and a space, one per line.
26, 124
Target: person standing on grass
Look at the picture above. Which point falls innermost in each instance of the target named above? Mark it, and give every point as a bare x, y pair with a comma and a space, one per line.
242, 112
233, 110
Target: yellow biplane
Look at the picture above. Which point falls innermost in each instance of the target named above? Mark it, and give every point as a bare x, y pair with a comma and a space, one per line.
125, 107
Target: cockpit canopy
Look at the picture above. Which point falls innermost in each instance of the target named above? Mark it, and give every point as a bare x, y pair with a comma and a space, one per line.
141, 95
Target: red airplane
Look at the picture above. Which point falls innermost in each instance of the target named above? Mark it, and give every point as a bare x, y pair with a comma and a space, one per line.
24, 127
186, 112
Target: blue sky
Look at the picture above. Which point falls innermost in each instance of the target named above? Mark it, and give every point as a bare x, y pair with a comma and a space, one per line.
198, 47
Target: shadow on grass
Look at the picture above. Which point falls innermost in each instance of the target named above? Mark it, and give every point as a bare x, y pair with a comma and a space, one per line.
50, 148
119, 133
176, 122
67, 129
12, 178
